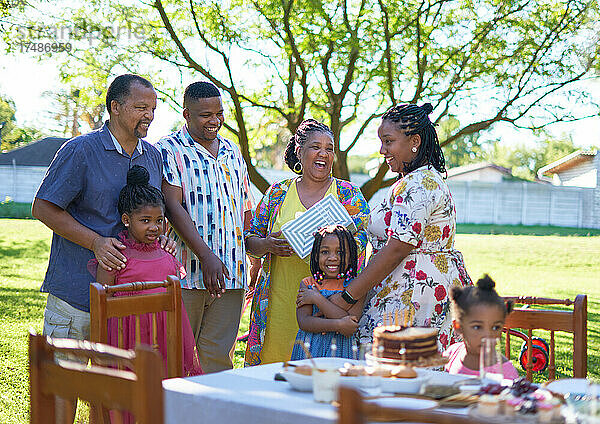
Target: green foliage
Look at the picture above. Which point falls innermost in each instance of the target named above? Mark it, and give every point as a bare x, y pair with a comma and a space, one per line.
461, 151
11, 135
10, 6
346, 62
525, 161
7, 115
357, 164
78, 110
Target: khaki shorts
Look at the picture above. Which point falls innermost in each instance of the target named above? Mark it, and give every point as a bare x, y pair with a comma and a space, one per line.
62, 320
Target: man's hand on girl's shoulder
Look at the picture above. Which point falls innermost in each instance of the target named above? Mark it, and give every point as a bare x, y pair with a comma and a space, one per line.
107, 252
168, 244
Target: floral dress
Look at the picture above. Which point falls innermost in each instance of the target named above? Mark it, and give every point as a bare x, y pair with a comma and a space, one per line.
419, 210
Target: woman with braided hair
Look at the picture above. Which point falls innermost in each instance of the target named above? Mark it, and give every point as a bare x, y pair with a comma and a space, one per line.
412, 232
310, 154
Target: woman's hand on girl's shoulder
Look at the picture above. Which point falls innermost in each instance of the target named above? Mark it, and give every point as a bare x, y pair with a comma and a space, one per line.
337, 300
347, 325
168, 244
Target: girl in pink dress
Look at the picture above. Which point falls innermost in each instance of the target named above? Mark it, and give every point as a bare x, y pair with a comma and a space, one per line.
478, 312
142, 211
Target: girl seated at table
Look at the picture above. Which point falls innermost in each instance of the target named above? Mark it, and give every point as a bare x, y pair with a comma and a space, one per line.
478, 312
326, 329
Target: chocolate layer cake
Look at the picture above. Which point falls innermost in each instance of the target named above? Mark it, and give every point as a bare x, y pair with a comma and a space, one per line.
409, 343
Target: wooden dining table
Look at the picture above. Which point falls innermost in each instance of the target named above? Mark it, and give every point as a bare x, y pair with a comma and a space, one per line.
246, 396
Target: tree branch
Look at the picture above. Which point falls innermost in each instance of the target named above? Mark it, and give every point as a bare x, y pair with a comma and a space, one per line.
387, 52
361, 130
420, 68
370, 187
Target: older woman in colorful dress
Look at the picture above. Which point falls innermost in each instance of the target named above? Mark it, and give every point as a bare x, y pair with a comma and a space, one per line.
310, 154
412, 231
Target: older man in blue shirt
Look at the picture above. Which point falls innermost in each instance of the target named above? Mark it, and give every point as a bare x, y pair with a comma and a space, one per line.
78, 201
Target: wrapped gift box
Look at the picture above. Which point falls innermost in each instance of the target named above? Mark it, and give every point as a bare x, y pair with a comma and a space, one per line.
327, 211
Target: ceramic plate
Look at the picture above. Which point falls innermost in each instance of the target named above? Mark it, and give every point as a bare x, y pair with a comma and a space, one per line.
327, 362
443, 378
405, 403
576, 386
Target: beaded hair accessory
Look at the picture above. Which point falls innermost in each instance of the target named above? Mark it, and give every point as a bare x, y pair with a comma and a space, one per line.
319, 276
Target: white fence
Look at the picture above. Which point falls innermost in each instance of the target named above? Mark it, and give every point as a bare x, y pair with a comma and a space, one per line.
514, 203
506, 203
19, 183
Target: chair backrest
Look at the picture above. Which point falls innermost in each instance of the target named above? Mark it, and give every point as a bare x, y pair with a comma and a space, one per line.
572, 321
104, 305
354, 409
67, 375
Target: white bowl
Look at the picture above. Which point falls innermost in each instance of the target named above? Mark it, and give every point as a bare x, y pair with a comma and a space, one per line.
351, 381
403, 385
300, 382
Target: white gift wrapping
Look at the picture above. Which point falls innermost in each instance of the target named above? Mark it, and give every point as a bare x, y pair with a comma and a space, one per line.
300, 232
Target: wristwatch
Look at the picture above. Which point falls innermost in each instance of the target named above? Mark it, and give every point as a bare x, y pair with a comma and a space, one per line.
347, 298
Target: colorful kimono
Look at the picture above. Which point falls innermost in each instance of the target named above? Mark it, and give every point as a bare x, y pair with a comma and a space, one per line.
266, 213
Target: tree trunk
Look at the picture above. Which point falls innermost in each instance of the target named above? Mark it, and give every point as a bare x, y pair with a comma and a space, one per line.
374, 184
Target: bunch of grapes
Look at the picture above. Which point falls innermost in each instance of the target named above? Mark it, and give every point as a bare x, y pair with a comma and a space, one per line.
522, 387
491, 389
528, 407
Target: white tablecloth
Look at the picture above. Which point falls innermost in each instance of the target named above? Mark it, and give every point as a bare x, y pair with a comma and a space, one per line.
245, 396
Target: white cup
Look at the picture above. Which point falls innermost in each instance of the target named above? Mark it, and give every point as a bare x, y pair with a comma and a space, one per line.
370, 384
325, 383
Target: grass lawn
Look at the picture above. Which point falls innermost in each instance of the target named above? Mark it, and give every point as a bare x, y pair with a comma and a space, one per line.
546, 266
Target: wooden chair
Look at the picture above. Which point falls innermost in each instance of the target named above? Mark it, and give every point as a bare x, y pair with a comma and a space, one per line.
138, 390
353, 409
104, 305
573, 321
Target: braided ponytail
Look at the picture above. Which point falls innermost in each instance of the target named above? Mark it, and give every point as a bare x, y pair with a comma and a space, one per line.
415, 120
138, 192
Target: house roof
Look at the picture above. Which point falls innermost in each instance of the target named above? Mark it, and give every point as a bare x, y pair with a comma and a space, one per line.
459, 170
38, 153
567, 162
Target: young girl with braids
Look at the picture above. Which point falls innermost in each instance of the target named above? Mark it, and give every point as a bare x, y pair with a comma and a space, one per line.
412, 232
333, 262
478, 312
142, 210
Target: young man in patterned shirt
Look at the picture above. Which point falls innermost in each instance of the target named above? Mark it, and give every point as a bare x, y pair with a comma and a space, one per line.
206, 188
